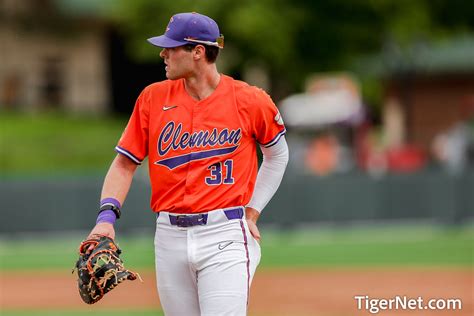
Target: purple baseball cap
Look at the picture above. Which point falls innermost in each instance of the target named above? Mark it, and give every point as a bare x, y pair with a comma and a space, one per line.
189, 28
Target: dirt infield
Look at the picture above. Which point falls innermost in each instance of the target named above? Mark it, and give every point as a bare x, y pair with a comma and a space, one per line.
274, 292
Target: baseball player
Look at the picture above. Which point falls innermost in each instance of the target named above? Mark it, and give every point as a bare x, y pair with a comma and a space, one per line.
200, 130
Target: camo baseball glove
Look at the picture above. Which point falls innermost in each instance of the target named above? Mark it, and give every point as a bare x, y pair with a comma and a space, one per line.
99, 271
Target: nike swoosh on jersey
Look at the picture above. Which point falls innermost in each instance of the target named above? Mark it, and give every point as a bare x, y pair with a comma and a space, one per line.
166, 108
222, 245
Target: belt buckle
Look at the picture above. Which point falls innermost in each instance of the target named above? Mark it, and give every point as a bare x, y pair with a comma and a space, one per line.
183, 221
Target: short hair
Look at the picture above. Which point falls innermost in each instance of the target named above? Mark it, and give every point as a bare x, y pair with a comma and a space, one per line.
211, 51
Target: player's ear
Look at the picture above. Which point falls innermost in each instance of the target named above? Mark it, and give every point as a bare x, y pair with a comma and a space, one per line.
199, 52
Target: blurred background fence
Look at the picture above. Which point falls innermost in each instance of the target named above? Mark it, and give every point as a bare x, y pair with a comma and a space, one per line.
68, 204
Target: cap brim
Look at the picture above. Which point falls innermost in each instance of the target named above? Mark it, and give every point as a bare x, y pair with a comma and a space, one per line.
165, 42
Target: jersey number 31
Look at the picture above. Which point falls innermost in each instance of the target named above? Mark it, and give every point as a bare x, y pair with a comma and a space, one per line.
218, 176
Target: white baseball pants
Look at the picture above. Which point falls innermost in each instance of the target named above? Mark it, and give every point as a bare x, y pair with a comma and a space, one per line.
205, 269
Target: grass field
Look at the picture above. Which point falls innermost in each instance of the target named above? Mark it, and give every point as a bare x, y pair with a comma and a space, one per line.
386, 246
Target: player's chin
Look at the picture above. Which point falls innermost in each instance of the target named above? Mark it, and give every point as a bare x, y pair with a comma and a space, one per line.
171, 76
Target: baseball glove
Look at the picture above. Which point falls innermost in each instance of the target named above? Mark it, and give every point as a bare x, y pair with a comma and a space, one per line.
100, 270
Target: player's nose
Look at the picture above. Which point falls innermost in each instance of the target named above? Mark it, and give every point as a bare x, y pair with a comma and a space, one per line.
163, 53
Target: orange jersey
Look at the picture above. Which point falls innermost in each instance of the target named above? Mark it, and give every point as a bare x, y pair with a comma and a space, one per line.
201, 154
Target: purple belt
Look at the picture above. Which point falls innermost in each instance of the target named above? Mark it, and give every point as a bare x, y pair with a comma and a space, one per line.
201, 219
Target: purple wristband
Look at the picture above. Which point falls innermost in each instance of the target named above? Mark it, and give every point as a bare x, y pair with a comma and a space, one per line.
110, 201
107, 216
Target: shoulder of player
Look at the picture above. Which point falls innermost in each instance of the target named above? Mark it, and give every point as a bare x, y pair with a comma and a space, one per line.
250, 95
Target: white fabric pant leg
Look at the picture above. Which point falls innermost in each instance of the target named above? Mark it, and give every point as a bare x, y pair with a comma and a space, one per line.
176, 279
214, 262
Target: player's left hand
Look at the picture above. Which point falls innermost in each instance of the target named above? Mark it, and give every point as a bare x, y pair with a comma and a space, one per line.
251, 215
100, 229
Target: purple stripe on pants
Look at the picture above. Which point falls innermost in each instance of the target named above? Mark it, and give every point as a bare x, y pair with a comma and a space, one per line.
248, 258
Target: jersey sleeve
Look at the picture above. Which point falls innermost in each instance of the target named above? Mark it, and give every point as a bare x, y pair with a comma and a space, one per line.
266, 121
134, 140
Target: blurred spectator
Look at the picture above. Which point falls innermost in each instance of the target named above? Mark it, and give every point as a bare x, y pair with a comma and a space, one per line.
321, 157
369, 151
454, 146
324, 117
325, 154
405, 158
400, 155
377, 158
